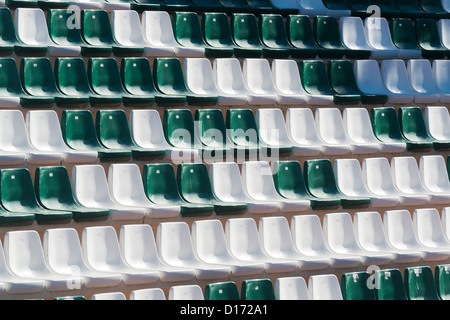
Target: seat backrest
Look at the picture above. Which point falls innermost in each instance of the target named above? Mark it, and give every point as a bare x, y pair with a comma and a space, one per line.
126, 27
199, 76
330, 126
78, 129
349, 177
307, 235
187, 29
427, 34
136, 75
289, 180
352, 33
174, 243
291, 288
157, 28
412, 123
442, 275
395, 76
314, 77
52, 185
378, 33
242, 126
369, 230
226, 181
44, 130
138, 245
7, 29
368, 76
13, 130
179, 128
193, 182
31, 27
354, 286
300, 31
71, 76
324, 287
390, 285
405, 172
62, 25
286, 76
10, 83
104, 76
441, 74
216, 29
168, 76
228, 76
378, 178
148, 294
273, 30
187, 292
258, 76
17, 190
339, 233
258, 181
245, 30
112, 129
358, 126
222, 291
96, 28
444, 31
242, 238
160, 183
212, 128
403, 35
342, 77
301, 126
125, 183
261, 289
399, 228
275, 236
420, 283
146, 128
272, 126
319, 178
37, 76
437, 120
420, 76
326, 30
428, 227
385, 124
433, 173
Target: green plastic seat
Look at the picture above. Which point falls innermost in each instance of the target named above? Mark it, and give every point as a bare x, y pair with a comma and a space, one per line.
38, 80
137, 79
49, 4
13, 4
321, 183
290, 184
326, 30
169, 80
274, 35
342, 80
217, 32
429, 40
8, 37
413, 10
74, 298
179, 129
359, 7
78, 129
442, 278
434, 7
161, 188
260, 289
207, 6
414, 130
195, 187
389, 9
420, 284
245, 32
97, 32
222, 291
389, 285
17, 195
114, 133
403, 34
354, 286
301, 36
385, 125
212, 131
54, 192
188, 33
235, 6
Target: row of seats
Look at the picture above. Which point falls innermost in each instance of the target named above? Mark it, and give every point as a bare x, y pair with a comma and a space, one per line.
211, 252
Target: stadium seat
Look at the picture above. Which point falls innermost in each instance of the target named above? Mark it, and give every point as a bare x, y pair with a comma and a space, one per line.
186, 292
321, 183
339, 235
350, 182
148, 294
302, 129
210, 245
314, 8
195, 187
272, 129
243, 133
309, 240
18, 195
276, 242
101, 250
354, 286
428, 227
175, 249
300, 34
369, 232
164, 191
399, 229
257, 289
63, 253
110, 296
358, 128
90, 189
420, 284
441, 72
437, 121
25, 258
291, 288
326, 31
222, 291
353, 35
379, 180
227, 185
395, 79
8, 32
413, 9
444, 34
404, 38
138, 249
428, 38
386, 128
330, 128
54, 192
324, 287
45, 135
445, 222
290, 184
244, 244
390, 285
126, 187
379, 37
441, 275
433, 174
216, 31
420, 77
259, 184
78, 130
12, 94
244, 28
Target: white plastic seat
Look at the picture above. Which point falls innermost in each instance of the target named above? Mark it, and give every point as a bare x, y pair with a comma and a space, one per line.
25, 258
395, 79
428, 228
148, 294
31, 29
109, 296
314, 8
291, 288
370, 234
90, 188
309, 240
340, 236
286, 78
324, 287
139, 251
158, 32
258, 78
433, 174
330, 128
45, 135
399, 229
353, 35
359, 129
175, 249
187, 292
369, 81
64, 255
444, 27
441, 72
101, 250
276, 241
259, 184
244, 244
127, 189
406, 175
350, 181
227, 185
379, 181
437, 120
421, 78
303, 132
210, 246
379, 38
